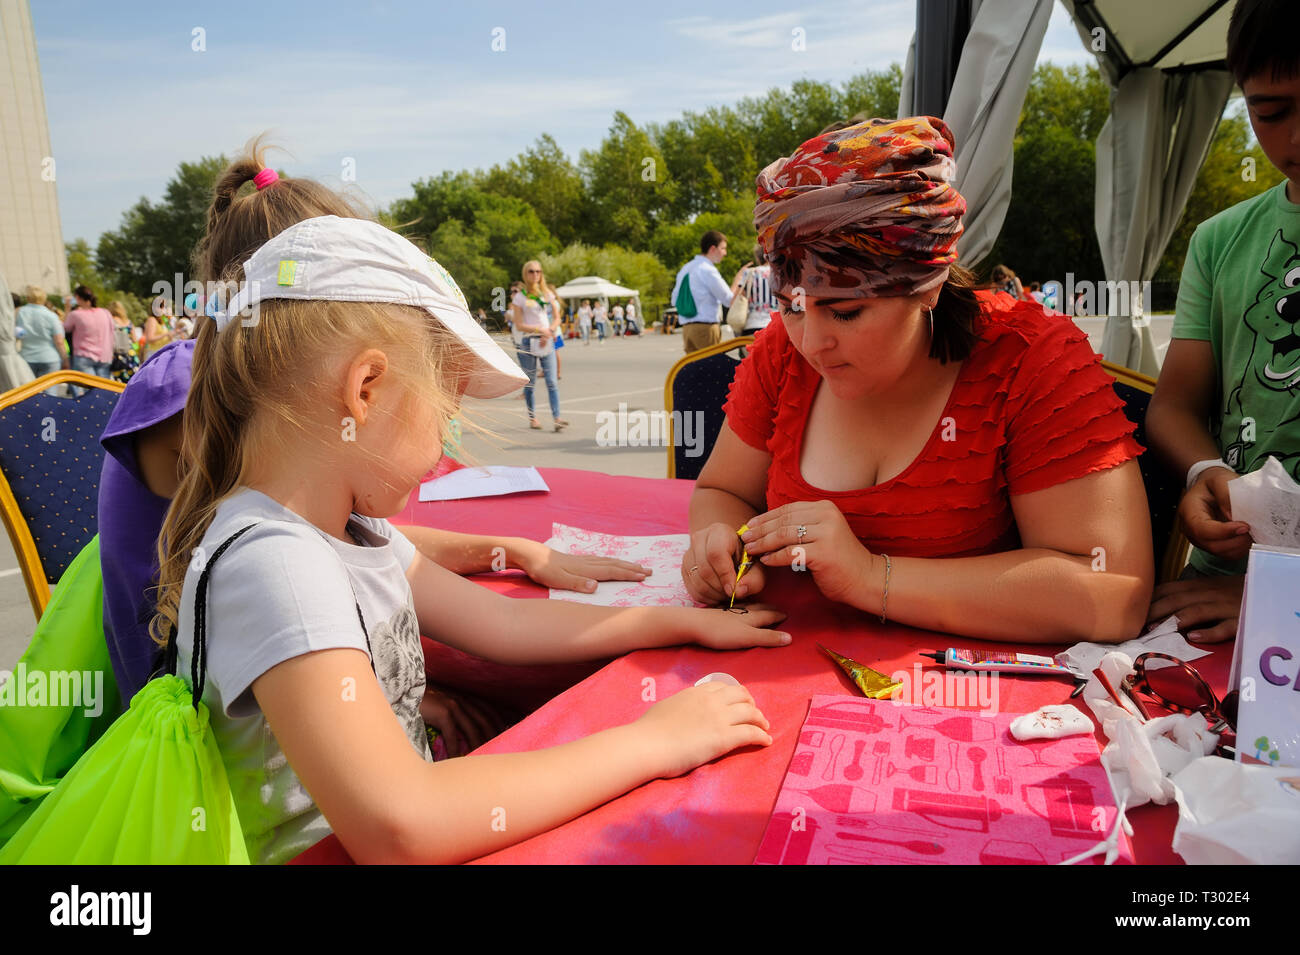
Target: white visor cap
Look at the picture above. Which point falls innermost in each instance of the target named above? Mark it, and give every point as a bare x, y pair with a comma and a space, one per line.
336, 259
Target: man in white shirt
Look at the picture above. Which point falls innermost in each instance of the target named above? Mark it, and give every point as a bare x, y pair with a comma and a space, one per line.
708, 289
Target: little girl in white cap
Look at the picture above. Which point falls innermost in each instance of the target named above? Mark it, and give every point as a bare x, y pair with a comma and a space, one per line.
318, 397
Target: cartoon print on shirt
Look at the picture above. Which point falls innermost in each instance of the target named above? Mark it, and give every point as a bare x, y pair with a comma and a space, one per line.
399, 664
1274, 363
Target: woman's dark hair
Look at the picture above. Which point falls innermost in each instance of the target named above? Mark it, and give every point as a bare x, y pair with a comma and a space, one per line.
85, 294
1261, 39
954, 317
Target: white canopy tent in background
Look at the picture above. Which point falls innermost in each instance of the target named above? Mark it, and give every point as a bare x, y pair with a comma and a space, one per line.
970, 63
593, 286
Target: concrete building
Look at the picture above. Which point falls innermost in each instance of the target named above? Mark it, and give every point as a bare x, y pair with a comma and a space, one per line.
31, 236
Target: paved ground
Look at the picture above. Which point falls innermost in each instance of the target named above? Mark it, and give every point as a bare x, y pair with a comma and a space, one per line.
596, 379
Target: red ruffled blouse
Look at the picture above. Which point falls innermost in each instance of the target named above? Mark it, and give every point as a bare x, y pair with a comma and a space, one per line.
1032, 408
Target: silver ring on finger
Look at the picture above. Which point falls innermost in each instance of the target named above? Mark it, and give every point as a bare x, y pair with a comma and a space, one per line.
694, 569
802, 531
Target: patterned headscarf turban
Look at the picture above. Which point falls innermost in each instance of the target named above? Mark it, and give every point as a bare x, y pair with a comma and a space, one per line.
863, 211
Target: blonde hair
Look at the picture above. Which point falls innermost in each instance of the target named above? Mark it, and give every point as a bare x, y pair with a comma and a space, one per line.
251, 382
542, 286
35, 295
119, 310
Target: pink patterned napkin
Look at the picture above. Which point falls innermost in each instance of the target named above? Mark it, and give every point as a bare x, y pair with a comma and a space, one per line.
876, 783
661, 553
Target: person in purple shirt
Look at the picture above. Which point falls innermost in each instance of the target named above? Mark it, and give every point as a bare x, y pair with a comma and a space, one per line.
147, 417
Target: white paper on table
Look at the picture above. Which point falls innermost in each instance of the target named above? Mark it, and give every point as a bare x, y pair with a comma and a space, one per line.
1268, 499
488, 481
661, 553
1083, 658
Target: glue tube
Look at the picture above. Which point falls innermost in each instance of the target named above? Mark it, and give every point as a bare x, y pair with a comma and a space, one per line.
999, 661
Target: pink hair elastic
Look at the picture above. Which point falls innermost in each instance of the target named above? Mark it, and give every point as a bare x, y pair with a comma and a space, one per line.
265, 178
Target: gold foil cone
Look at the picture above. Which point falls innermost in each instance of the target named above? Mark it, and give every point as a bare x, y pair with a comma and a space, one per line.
871, 682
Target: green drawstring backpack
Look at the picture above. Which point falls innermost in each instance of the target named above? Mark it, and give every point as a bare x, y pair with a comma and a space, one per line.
151, 790
43, 731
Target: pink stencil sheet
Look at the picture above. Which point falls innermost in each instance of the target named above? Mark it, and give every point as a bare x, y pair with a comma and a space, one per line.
661, 553
874, 783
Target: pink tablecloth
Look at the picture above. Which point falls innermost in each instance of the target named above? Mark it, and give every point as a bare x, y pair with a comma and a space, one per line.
718, 813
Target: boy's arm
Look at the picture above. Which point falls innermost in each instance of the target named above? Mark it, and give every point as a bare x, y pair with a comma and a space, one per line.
1177, 424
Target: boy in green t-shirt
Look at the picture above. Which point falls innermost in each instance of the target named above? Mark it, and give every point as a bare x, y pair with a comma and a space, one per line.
1229, 392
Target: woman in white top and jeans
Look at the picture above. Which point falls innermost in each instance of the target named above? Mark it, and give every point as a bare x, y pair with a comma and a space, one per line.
535, 314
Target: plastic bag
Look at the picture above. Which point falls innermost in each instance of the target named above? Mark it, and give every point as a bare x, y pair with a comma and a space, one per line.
152, 790
40, 743
1233, 813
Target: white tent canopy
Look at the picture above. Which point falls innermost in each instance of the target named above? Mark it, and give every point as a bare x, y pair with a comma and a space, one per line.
1164, 62
593, 286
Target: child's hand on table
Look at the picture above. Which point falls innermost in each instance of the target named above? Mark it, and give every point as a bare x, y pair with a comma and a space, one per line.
720, 629
579, 572
699, 724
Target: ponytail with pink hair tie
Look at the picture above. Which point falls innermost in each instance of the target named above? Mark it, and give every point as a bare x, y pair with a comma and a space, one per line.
264, 178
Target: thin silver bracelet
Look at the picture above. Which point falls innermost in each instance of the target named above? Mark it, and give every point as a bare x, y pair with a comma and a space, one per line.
884, 601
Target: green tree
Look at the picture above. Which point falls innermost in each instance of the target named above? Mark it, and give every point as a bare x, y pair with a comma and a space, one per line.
464, 252
676, 244
873, 93
543, 177
1235, 169
510, 226
155, 241
637, 270
1049, 229
1074, 97
627, 184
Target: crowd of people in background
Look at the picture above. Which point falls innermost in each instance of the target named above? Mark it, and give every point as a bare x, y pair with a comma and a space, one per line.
76, 333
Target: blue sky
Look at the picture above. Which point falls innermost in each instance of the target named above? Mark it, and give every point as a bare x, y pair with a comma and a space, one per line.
408, 89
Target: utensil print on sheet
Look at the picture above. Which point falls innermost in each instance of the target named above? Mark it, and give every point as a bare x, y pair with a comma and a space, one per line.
915, 845
880, 749
977, 755
956, 811
919, 748
841, 797
854, 770
888, 785
1066, 803
837, 744
922, 773
1002, 782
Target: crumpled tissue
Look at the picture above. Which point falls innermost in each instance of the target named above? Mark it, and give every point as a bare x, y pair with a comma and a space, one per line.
1268, 499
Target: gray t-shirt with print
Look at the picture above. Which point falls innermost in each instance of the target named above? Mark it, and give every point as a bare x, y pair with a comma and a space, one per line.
283, 589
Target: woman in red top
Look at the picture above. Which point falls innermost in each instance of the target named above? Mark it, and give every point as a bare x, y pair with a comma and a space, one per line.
950, 459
